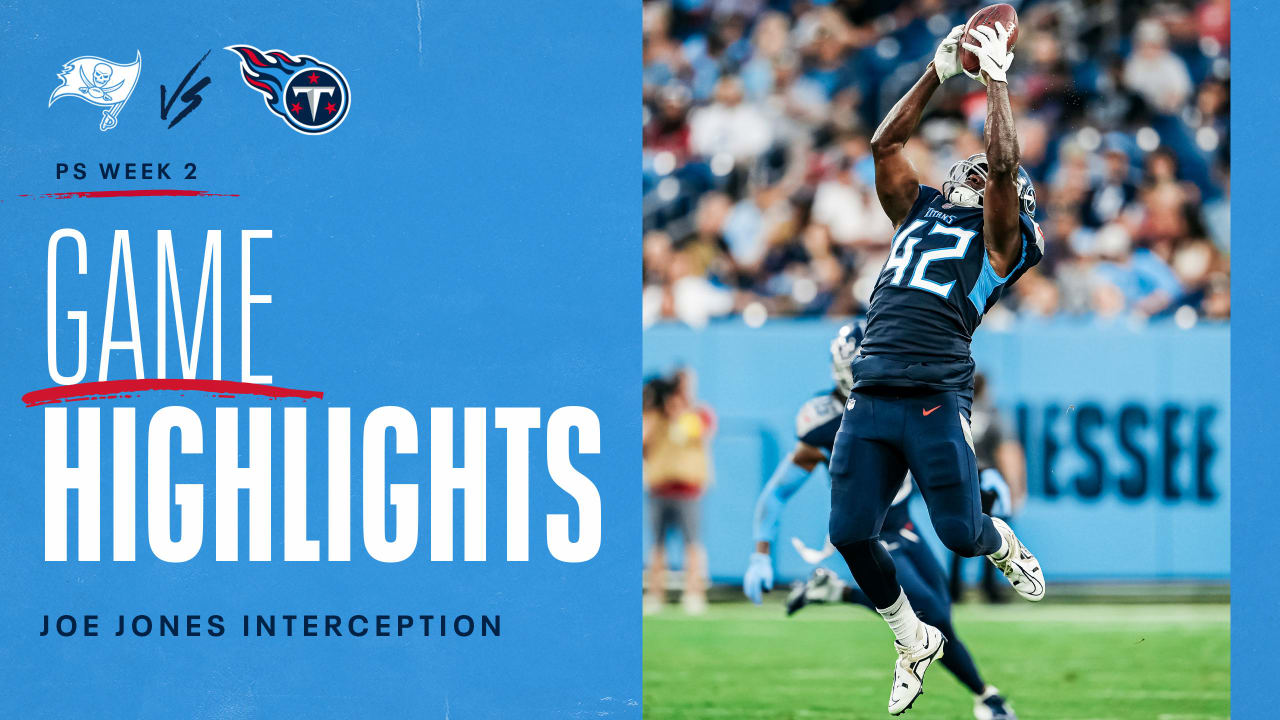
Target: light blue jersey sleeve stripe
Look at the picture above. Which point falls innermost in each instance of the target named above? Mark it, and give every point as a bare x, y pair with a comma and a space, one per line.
988, 280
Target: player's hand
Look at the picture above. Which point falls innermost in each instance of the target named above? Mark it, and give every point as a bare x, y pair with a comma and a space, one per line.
759, 577
992, 51
946, 59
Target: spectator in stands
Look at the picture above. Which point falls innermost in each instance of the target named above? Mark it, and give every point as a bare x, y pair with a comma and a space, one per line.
1154, 72
669, 129
1112, 192
755, 167
729, 126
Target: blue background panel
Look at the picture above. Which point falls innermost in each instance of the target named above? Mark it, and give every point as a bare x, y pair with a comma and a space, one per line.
464, 238
1255, 385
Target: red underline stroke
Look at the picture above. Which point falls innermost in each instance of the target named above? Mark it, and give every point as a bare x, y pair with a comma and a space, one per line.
128, 193
115, 389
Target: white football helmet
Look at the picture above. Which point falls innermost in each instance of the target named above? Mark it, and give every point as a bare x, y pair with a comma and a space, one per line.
844, 348
959, 189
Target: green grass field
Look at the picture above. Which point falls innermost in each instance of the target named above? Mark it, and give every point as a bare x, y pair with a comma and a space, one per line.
1053, 661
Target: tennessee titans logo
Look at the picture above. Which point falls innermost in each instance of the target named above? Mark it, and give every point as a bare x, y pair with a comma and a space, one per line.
310, 96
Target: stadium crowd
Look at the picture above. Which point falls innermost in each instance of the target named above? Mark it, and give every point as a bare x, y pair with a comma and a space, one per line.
759, 193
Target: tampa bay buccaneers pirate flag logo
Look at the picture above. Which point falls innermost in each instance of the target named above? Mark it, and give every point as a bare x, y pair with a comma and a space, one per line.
99, 82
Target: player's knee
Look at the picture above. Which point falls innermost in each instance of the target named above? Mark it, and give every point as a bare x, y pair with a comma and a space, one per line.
872, 570
960, 537
841, 531
856, 552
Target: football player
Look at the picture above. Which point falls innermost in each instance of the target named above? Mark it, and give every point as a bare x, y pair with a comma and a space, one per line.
921, 577
953, 254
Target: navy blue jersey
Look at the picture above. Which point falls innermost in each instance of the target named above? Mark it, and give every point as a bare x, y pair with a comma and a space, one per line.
816, 426
931, 295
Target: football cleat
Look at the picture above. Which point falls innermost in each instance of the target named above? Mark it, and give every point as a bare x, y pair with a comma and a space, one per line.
991, 706
822, 587
1019, 565
908, 671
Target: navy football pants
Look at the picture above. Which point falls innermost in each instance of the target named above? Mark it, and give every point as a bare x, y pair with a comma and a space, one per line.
881, 437
925, 584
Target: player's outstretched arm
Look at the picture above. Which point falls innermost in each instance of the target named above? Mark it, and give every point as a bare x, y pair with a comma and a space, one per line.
1000, 205
789, 477
897, 183
1000, 208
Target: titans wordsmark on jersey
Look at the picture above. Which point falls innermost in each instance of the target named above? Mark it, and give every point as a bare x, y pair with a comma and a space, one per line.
816, 426
931, 295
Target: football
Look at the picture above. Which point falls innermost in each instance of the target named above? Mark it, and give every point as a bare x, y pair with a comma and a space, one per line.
1002, 13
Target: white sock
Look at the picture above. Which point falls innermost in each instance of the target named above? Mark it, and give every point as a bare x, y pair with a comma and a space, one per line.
903, 621
1003, 551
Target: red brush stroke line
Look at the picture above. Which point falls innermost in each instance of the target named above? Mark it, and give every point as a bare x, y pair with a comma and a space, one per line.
112, 389
129, 193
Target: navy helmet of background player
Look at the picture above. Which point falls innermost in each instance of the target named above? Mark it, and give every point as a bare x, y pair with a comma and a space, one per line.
953, 255
923, 579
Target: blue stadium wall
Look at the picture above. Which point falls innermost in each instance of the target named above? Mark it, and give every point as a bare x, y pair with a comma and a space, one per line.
1127, 434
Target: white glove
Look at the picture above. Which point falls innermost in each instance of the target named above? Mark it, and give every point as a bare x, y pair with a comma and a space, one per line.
992, 51
759, 577
946, 60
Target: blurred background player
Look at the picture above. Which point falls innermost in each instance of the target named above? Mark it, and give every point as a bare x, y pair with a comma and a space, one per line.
1002, 475
677, 432
921, 577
